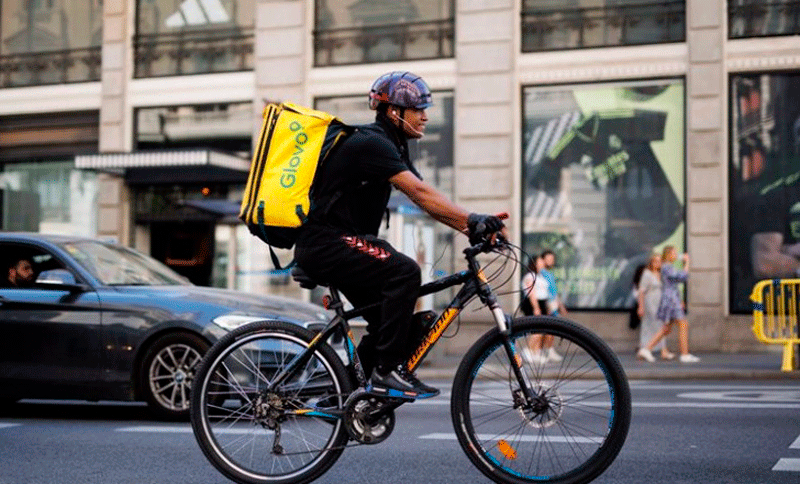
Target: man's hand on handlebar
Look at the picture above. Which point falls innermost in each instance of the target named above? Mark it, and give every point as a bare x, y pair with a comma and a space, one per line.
484, 227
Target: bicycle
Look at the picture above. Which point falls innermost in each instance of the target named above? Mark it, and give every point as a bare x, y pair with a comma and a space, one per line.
274, 403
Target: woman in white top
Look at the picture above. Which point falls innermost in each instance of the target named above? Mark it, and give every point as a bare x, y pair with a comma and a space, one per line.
536, 295
649, 296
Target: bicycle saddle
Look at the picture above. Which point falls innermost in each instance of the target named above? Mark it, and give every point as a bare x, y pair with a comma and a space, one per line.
302, 278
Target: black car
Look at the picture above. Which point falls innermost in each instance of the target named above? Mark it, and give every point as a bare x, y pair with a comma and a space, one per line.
99, 321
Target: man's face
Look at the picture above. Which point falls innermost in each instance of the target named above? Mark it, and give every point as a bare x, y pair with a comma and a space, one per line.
22, 273
412, 123
549, 261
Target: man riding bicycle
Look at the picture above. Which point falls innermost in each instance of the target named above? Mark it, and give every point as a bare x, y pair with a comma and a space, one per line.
338, 244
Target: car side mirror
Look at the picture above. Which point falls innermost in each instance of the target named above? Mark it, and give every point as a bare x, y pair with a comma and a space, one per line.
60, 279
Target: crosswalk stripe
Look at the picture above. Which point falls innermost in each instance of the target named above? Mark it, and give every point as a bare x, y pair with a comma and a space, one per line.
796, 443
523, 438
7, 425
784, 464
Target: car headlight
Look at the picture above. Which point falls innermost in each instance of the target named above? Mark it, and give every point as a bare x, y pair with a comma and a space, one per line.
233, 321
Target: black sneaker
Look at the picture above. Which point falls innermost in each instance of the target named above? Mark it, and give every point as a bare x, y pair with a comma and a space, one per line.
399, 383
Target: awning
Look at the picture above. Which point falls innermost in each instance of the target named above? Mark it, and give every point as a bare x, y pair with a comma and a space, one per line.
169, 166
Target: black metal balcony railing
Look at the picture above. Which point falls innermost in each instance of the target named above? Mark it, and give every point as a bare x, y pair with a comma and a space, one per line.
383, 43
764, 18
51, 67
644, 23
188, 52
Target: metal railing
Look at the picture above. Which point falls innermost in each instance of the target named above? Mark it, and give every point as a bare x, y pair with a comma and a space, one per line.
572, 28
381, 43
763, 18
775, 316
193, 52
50, 67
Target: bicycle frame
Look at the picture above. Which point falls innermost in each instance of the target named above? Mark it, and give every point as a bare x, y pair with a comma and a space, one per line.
473, 282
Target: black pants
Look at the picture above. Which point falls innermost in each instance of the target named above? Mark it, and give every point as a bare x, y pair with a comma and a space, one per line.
367, 270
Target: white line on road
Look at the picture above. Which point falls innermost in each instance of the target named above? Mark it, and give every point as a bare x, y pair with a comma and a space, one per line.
524, 438
796, 443
7, 425
160, 429
784, 464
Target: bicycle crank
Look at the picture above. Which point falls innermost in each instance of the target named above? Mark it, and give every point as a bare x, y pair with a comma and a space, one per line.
369, 419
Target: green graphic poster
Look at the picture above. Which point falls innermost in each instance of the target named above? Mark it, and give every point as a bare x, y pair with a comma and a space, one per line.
603, 182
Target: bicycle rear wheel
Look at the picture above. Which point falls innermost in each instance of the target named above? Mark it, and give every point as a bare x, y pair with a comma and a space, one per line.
570, 434
290, 434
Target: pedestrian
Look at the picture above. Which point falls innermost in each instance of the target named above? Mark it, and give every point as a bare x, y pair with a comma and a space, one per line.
338, 245
541, 346
648, 300
535, 294
670, 308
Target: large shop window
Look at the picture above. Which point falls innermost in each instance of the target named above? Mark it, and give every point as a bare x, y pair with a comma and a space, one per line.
764, 181
603, 182
763, 18
409, 229
574, 24
179, 37
49, 41
365, 31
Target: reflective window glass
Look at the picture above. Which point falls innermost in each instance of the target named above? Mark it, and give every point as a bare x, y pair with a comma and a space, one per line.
761, 18
764, 181
603, 182
571, 24
176, 37
364, 31
50, 41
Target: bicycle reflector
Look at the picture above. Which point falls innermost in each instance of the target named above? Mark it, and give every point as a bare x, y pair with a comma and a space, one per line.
506, 449
326, 301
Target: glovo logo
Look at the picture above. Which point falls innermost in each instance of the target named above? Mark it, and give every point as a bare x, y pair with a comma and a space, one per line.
289, 177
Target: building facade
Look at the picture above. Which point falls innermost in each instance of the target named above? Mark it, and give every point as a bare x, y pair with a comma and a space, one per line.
608, 129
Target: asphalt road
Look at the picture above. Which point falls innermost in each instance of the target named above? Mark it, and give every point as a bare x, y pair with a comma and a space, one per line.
682, 432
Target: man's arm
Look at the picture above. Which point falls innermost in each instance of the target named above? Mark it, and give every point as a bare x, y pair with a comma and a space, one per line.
431, 200
768, 258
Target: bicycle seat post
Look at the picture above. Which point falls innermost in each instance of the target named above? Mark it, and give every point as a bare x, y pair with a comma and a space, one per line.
334, 302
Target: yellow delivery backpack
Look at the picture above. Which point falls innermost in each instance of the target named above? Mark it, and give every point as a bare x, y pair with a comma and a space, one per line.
293, 142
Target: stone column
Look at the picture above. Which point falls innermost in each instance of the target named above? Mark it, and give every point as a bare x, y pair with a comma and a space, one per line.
116, 117
706, 172
282, 63
486, 124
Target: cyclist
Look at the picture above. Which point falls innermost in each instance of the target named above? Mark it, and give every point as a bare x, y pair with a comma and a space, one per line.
339, 245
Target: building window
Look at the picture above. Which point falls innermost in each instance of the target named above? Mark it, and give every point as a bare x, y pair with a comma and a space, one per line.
365, 31
603, 182
180, 37
765, 181
760, 18
574, 24
66, 197
49, 41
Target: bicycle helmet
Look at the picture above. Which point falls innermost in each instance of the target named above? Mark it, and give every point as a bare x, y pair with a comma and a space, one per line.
400, 88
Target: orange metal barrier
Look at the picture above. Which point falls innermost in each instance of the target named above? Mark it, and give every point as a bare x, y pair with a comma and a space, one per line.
775, 316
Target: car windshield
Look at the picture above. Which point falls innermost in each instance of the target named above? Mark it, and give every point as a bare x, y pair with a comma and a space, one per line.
118, 266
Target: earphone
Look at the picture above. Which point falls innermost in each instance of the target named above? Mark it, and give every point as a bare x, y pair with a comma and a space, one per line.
408, 125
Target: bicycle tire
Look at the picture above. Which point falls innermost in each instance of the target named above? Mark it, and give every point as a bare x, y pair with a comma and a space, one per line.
228, 413
573, 440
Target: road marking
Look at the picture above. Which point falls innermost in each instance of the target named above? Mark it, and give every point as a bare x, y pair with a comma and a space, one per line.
795, 444
534, 438
7, 425
747, 395
784, 464
160, 429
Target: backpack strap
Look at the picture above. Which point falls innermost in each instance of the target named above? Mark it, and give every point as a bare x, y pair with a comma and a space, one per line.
275, 261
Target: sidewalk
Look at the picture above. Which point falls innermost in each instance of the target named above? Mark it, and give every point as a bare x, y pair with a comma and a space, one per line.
712, 366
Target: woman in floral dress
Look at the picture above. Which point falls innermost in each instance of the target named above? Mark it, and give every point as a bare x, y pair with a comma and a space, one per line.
670, 309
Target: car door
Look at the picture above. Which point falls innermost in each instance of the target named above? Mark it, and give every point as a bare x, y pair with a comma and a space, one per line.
51, 331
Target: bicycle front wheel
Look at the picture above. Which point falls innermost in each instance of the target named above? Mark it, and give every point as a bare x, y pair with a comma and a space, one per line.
255, 434
573, 427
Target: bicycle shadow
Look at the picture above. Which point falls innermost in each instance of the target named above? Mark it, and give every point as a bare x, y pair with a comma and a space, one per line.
77, 410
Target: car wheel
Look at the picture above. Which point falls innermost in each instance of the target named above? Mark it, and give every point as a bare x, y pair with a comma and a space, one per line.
167, 373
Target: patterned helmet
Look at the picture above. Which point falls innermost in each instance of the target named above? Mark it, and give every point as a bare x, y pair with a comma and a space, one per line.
400, 88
